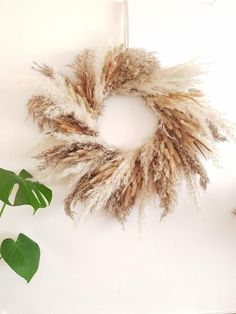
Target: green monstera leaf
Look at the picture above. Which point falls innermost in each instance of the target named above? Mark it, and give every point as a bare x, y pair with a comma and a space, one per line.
22, 255
29, 192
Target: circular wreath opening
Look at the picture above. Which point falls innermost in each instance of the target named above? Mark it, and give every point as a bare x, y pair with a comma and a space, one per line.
103, 176
126, 122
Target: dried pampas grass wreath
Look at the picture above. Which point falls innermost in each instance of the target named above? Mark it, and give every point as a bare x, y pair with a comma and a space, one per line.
109, 178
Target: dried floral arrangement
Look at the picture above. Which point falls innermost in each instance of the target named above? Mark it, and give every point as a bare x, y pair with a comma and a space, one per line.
104, 176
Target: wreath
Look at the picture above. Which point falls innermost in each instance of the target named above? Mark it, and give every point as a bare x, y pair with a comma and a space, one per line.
103, 176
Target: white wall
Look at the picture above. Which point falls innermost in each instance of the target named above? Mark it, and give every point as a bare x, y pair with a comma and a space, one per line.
184, 264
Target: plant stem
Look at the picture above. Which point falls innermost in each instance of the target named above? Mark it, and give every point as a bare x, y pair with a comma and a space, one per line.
2, 209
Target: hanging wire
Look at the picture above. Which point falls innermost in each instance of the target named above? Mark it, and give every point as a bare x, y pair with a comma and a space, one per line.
126, 23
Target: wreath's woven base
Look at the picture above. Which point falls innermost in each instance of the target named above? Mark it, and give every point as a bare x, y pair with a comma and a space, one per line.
106, 177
